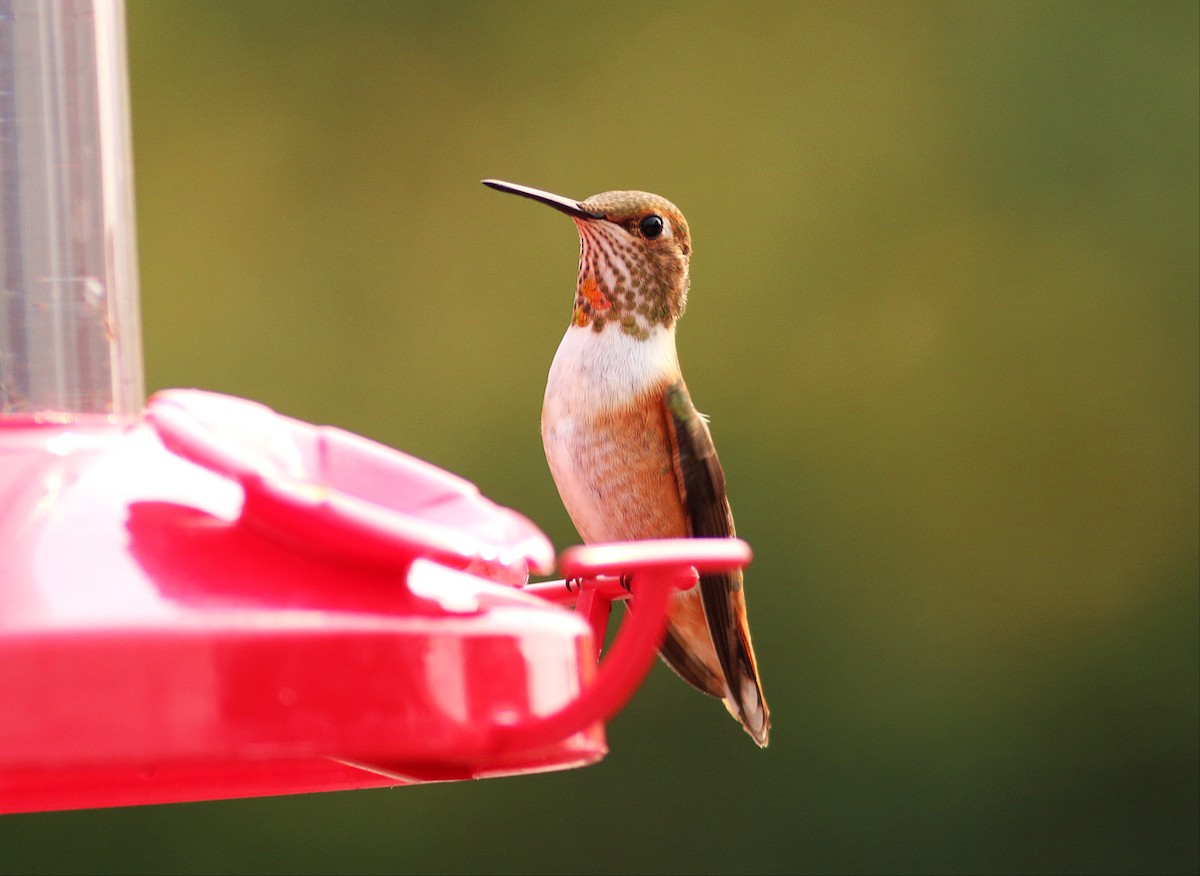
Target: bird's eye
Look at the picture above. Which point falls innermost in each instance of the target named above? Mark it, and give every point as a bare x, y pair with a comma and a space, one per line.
651, 226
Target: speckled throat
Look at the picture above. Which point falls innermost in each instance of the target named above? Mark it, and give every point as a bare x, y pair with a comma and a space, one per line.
626, 281
618, 285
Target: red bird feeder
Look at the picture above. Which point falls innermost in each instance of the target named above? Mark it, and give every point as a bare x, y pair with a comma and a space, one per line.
206, 599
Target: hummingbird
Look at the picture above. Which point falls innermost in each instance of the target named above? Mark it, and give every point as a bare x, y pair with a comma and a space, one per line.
631, 456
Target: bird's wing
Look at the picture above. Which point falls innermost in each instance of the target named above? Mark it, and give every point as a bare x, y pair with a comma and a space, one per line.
702, 489
701, 479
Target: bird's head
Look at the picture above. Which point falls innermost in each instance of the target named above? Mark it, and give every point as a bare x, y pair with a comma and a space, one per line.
634, 249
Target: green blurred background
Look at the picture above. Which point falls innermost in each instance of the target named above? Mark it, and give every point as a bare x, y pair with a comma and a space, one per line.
944, 316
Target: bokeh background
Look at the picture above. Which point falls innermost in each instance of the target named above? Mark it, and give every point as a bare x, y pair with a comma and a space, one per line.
944, 316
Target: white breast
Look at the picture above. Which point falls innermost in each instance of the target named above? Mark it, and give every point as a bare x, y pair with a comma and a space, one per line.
597, 371
592, 373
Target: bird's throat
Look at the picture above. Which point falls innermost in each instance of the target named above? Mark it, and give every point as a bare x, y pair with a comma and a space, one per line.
620, 286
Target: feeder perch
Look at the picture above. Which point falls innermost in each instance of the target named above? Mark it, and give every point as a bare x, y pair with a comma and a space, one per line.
201, 598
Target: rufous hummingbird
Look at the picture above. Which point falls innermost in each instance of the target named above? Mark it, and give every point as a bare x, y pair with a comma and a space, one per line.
631, 456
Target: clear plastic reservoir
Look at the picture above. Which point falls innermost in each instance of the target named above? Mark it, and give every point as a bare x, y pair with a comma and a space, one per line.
70, 338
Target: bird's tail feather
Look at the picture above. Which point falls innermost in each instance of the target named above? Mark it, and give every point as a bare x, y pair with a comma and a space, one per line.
745, 699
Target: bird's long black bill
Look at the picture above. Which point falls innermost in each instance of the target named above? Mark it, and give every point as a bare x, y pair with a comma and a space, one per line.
558, 202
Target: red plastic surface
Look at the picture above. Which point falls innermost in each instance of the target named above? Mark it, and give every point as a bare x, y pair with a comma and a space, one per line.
219, 602
325, 490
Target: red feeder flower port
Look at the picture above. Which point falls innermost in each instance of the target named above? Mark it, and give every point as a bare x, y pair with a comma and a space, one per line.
206, 599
